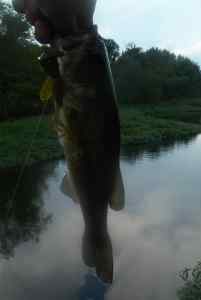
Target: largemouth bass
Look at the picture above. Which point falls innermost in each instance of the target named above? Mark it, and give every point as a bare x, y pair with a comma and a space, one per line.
87, 119
91, 136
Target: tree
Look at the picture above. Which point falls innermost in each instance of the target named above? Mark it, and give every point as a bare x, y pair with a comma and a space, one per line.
113, 49
14, 26
20, 73
155, 75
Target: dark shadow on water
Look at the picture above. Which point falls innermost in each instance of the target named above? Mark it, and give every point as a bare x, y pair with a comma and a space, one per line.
22, 218
153, 151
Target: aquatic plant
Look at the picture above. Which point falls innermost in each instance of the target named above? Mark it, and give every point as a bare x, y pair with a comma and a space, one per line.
191, 290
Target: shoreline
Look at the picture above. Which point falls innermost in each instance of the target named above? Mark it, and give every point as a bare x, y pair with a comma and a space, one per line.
137, 129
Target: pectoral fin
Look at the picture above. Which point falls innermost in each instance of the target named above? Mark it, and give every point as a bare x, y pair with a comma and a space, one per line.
117, 201
68, 189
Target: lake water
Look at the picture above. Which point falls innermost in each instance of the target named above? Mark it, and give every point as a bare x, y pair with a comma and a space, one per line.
156, 236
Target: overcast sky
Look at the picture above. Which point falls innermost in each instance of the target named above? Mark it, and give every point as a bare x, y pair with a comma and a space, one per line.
171, 24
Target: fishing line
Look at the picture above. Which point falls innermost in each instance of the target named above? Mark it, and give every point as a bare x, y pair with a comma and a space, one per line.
25, 163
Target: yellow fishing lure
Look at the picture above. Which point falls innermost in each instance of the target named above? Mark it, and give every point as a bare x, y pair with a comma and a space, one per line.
47, 90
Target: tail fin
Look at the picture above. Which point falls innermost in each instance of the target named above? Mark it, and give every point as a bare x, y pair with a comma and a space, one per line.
100, 256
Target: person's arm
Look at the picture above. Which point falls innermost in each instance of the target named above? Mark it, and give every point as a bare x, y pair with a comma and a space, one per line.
57, 17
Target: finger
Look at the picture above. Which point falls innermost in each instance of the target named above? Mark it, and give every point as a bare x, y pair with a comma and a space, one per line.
43, 32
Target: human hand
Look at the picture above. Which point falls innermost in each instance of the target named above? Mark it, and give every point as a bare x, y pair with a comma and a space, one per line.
56, 17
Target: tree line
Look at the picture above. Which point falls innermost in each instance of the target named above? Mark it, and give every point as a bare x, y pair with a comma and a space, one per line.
155, 75
141, 76
20, 73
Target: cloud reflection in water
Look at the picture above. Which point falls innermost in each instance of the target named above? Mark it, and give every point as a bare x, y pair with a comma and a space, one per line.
154, 238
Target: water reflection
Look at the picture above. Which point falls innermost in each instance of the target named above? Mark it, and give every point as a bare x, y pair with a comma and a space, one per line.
22, 218
155, 150
155, 237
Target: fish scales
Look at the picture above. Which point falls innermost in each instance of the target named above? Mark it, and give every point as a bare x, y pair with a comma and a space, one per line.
90, 119
91, 138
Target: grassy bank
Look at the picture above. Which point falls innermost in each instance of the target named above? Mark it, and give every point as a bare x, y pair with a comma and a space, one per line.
143, 124
16, 137
148, 124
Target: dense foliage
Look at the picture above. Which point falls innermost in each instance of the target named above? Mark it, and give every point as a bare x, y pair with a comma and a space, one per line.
20, 73
141, 76
113, 49
155, 75
191, 289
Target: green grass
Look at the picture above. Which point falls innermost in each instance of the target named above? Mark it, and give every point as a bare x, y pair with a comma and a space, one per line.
16, 138
140, 125
182, 110
148, 124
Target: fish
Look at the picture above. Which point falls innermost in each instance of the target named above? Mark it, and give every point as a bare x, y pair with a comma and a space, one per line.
117, 199
88, 126
91, 138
